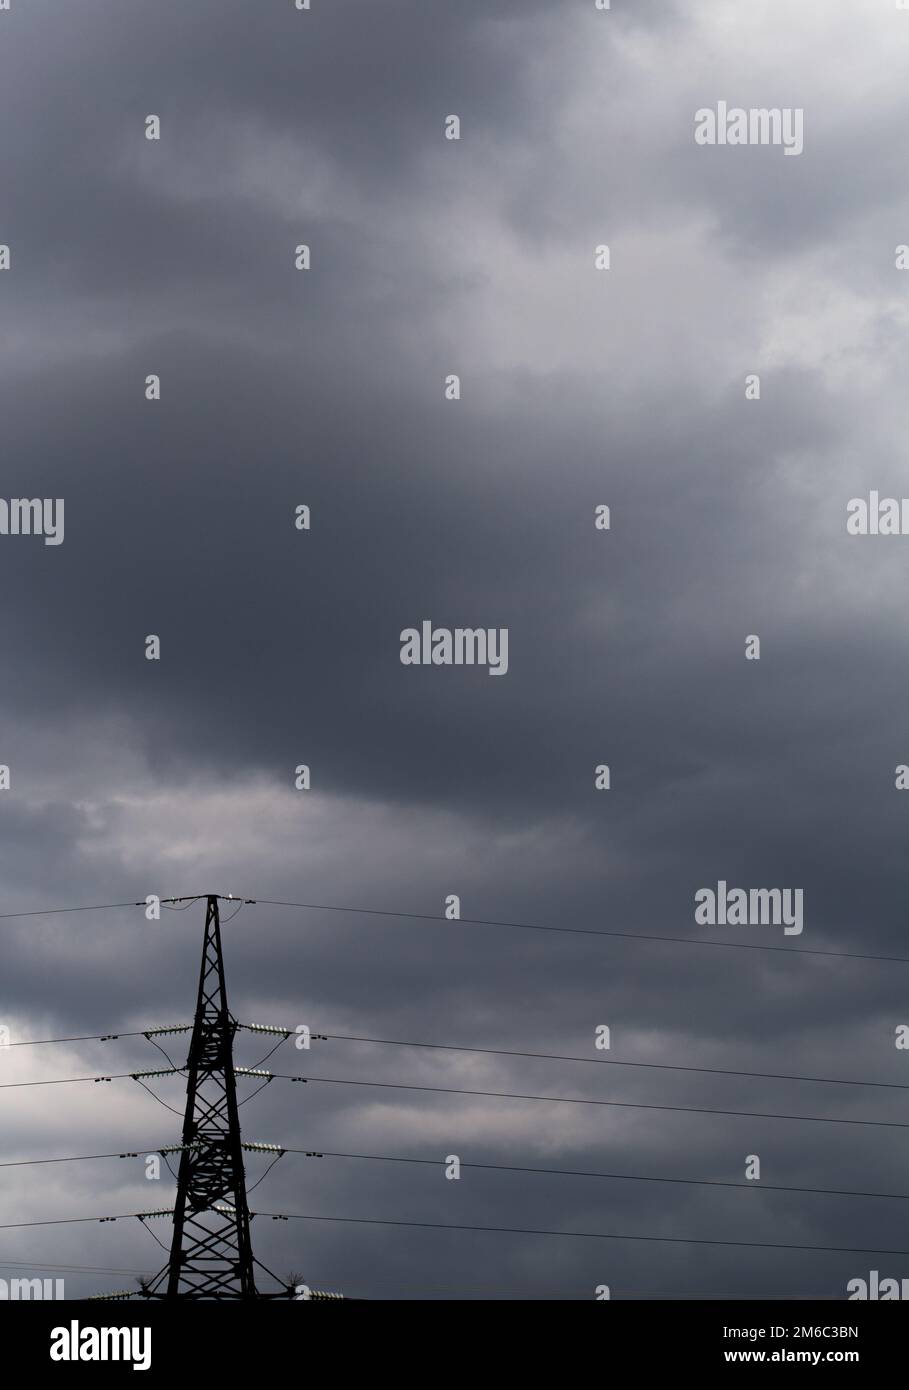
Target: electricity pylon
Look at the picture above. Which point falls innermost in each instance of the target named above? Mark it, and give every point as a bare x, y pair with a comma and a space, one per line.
211, 1252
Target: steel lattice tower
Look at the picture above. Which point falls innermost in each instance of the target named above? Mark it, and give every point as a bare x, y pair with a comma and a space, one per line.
211, 1253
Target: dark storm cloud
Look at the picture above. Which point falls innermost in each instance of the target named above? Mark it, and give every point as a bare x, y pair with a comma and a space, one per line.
131, 777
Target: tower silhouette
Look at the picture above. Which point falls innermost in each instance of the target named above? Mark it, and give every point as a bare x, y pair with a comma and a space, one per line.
211, 1252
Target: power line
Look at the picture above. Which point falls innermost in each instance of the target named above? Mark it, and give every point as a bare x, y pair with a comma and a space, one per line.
268, 1170
53, 911
584, 1100
616, 1062
75, 1269
623, 1177
497, 1052
447, 1288
481, 922
155, 1238
80, 1037
504, 1291
578, 931
147, 1149
581, 1235
76, 1158
493, 1230
496, 1095
64, 1221
171, 1108
170, 1061
63, 1081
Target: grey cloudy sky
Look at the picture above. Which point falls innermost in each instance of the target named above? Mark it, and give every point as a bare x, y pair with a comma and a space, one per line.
130, 777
